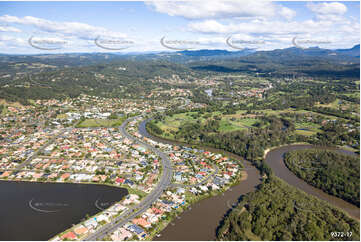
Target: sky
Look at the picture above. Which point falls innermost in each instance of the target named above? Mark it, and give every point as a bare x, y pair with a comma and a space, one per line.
62, 27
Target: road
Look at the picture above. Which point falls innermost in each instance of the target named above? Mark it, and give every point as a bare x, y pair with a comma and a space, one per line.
199, 183
138, 209
41, 149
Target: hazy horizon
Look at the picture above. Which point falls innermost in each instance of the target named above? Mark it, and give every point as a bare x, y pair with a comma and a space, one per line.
87, 27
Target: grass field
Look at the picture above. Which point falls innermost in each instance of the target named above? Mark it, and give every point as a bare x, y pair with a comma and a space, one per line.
306, 132
228, 123
292, 110
307, 128
335, 104
100, 123
353, 94
226, 126
61, 116
4, 110
238, 121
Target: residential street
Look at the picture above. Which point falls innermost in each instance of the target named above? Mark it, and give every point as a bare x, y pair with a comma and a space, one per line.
164, 182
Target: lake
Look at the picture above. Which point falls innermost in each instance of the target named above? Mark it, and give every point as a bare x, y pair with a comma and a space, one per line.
39, 211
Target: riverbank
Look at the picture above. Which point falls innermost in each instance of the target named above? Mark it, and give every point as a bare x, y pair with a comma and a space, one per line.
279, 212
274, 159
199, 216
346, 207
279, 146
191, 201
305, 143
204, 217
333, 172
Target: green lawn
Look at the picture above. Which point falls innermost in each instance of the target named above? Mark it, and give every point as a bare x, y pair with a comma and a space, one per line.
100, 123
305, 132
247, 121
228, 126
238, 121
4, 111
172, 123
353, 94
335, 104
292, 110
61, 116
307, 128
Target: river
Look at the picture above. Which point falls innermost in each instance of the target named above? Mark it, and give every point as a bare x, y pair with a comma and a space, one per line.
202, 220
274, 159
39, 211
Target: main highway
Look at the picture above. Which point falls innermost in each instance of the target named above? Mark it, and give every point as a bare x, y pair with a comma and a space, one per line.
145, 203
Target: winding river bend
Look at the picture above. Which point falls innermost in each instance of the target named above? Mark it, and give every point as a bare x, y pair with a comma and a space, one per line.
274, 159
201, 221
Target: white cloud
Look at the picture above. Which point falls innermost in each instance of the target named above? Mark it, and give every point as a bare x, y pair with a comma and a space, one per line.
69, 36
281, 32
13, 42
259, 27
215, 9
333, 11
80, 30
9, 29
333, 8
209, 23
211, 26
287, 13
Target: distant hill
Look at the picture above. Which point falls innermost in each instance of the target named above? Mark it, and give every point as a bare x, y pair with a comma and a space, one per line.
354, 51
310, 61
313, 61
338, 54
214, 53
206, 52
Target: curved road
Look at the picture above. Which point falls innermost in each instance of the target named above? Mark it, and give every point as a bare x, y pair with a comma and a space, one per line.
164, 182
274, 159
206, 214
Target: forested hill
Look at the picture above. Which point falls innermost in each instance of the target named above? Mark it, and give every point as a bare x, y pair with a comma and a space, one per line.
106, 78
291, 61
25, 77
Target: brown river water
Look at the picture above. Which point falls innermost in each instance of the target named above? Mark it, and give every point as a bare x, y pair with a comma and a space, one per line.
274, 159
202, 220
